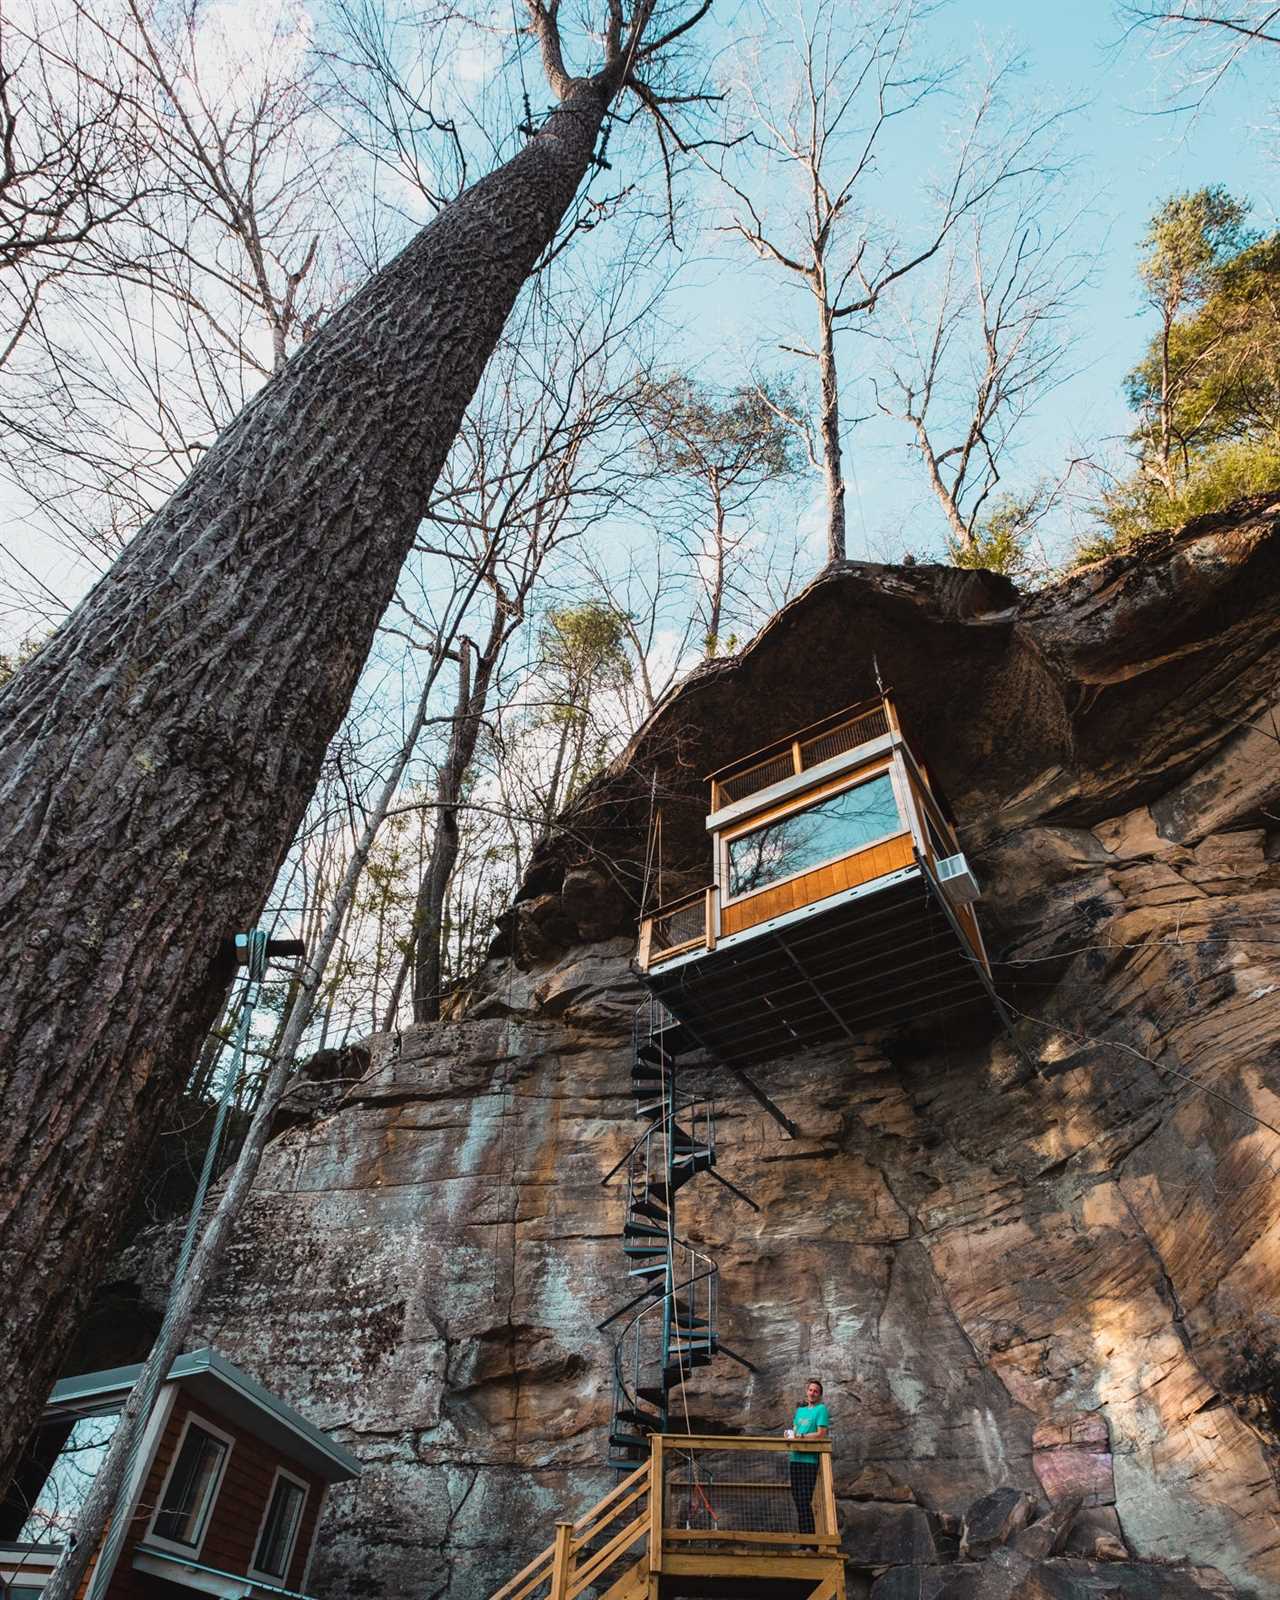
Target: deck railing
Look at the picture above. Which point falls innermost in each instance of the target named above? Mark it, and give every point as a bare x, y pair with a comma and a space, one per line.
719, 1491
696, 1495
810, 747
678, 926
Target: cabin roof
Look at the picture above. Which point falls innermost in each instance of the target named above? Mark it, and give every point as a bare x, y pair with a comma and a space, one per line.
212, 1378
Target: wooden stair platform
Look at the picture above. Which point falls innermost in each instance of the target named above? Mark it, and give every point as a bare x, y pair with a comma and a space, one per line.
631, 1545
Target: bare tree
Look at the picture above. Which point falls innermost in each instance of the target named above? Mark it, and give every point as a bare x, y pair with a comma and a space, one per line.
232, 257
1205, 40
540, 460
818, 103
988, 337
72, 163
157, 754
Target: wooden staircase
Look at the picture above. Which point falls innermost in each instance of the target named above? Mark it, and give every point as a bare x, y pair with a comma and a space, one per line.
703, 1516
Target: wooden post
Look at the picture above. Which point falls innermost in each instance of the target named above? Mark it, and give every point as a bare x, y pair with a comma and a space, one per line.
827, 1522
797, 759
646, 943
656, 1491
560, 1561
891, 716
711, 919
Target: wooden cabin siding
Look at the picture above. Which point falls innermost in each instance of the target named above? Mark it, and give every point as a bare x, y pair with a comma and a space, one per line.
809, 887
231, 1538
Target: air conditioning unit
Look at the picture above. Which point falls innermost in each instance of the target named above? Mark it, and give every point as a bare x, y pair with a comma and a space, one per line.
957, 880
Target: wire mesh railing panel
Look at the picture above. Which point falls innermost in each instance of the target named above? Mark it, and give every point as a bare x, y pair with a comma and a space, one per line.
683, 925
732, 1491
848, 736
741, 784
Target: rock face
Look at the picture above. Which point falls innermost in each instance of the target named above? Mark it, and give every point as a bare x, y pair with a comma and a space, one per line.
1050, 1270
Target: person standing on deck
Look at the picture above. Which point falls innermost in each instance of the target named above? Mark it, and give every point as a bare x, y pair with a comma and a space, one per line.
811, 1421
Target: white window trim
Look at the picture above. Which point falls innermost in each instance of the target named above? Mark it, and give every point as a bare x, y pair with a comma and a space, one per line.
727, 838
281, 1579
151, 1536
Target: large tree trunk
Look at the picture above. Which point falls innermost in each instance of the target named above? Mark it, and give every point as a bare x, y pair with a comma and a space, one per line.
158, 753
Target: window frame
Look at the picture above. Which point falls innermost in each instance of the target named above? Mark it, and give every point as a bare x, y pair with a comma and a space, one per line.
863, 775
279, 1579
192, 1419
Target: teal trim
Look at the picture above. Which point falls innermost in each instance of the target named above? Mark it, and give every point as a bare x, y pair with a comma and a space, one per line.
219, 1572
74, 1392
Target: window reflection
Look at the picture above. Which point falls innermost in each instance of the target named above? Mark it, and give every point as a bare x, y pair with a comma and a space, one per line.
53, 1514
834, 827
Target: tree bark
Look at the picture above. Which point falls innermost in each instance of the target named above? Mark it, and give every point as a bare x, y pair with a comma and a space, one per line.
156, 756
829, 429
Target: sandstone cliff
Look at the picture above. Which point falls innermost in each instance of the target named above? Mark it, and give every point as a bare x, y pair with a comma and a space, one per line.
1056, 1272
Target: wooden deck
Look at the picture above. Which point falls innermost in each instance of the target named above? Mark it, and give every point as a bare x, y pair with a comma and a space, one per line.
705, 1516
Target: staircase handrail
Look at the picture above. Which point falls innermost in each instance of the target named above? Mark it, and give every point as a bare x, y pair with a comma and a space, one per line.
658, 1122
668, 1294
620, 1498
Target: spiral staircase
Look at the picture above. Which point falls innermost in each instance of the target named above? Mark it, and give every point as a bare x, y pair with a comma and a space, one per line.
671, 1329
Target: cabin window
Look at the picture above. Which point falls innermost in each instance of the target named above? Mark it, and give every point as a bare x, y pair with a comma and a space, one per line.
76, 1458
191, 1487
836, 826
280, 1527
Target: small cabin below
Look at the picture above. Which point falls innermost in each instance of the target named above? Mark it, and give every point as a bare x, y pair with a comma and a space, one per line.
839, 901
226, 1492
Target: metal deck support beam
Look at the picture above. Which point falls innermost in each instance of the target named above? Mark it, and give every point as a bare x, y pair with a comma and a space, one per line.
826, 1004
758, 1094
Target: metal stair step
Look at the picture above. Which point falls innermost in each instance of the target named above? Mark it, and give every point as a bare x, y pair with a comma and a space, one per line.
634, 1418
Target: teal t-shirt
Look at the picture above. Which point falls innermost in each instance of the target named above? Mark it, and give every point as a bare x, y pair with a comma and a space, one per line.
808, 1419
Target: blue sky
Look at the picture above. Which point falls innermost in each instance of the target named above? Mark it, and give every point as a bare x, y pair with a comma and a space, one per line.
1131, 153
727, 313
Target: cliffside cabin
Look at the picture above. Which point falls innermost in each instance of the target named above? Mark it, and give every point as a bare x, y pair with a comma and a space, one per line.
226, 1492
839, 900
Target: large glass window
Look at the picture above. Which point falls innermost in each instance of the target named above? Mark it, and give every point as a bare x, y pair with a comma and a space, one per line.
188, 1496
836, 826
280, 1529
52, 1515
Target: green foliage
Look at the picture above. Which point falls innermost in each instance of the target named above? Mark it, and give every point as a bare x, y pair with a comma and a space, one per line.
1223, 360
743, 437
1207, 392
1219, 475
9, 664
1002, 538
1186, 241
585, 648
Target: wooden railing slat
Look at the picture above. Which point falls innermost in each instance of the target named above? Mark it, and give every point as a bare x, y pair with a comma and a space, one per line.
600, 1559
641, 1472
